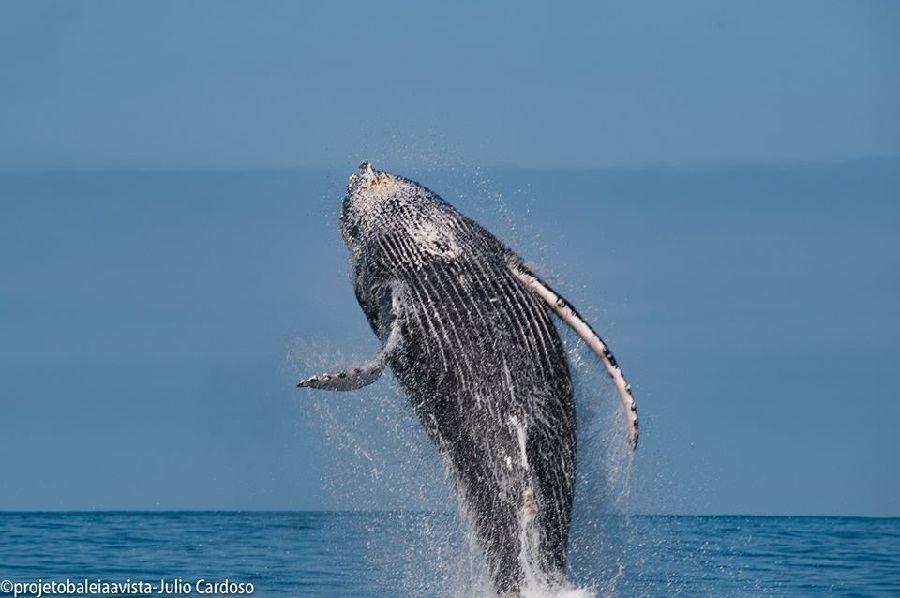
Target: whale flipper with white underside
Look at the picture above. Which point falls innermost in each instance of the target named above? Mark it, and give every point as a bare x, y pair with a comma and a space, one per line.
368, 372
570, 316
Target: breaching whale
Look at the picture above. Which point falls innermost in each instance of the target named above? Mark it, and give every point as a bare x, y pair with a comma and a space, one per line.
466, 327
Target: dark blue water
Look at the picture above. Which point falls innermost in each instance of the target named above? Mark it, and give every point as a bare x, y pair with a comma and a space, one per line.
404, 554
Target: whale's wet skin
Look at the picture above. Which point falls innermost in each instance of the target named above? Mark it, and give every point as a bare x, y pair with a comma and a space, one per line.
466, 328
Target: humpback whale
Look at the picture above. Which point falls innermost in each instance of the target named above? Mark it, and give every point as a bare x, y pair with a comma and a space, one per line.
466, 327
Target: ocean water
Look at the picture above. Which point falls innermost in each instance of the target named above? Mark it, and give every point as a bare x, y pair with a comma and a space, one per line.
426, 554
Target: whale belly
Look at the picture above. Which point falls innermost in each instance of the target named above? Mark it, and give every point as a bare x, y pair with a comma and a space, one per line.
486, 372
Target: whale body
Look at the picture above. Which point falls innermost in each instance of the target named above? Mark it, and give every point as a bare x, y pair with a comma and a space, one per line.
466, 327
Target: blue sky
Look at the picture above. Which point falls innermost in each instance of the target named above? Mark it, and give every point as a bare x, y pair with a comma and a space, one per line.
714, 186
272, 85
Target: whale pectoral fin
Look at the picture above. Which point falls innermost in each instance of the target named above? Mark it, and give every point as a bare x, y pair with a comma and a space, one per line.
367, 373
570, 316
349, 379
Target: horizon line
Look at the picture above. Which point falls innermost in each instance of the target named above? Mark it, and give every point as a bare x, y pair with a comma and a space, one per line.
403, 512
693, 167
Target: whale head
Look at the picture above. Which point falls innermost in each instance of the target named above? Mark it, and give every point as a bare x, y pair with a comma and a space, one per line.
379, 204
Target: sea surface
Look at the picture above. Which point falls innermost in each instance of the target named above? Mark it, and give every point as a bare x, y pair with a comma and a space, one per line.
427, 554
